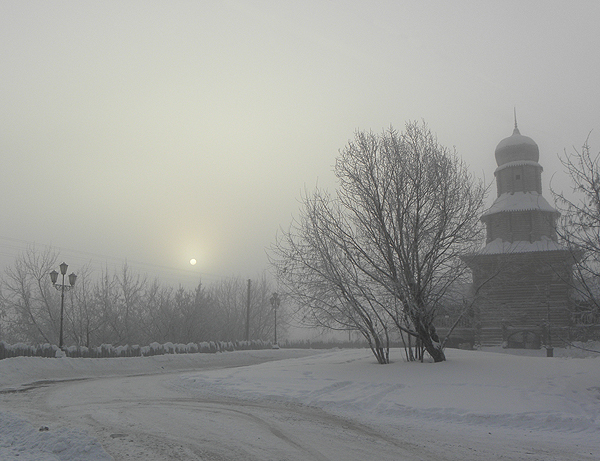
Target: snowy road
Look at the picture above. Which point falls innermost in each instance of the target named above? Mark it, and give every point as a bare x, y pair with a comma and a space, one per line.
142, 418
146, 417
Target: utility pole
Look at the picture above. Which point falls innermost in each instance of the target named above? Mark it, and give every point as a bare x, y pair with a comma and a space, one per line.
248, 313
275, 301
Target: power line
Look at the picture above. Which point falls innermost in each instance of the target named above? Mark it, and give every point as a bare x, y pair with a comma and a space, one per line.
12, 247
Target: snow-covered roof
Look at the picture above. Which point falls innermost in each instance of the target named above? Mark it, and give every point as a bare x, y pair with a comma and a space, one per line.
519, 201
517, 139
516, 147
500, 246
518, 163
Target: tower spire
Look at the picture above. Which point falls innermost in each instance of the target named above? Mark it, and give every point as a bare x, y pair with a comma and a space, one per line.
516, 130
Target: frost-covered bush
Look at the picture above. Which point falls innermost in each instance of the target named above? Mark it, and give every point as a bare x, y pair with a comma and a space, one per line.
108, 350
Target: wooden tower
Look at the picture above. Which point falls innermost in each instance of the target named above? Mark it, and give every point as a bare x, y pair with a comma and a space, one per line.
522, 277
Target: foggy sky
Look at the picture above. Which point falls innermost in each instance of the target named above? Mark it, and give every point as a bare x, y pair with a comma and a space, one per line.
155, 132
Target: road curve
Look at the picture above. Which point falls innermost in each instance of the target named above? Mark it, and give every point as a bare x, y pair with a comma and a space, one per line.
144, 417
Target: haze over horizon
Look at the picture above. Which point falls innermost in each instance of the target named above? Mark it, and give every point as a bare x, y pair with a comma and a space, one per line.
154, 132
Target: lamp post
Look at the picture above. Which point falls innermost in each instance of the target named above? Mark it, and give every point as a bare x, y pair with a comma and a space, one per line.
275, 301
62, 287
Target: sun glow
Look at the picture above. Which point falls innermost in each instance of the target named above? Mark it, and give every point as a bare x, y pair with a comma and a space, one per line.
193, 262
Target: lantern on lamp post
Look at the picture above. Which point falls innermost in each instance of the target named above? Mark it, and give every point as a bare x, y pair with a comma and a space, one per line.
62, 288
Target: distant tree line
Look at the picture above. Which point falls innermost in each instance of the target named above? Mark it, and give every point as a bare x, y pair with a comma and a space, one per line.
127, 308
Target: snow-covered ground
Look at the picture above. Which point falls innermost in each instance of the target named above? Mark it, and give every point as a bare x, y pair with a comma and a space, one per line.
549, 408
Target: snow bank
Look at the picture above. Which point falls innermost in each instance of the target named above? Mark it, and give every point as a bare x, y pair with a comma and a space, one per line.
17, 372
471, 387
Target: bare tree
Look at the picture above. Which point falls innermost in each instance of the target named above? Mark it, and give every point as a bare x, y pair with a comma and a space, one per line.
83, 320
196, 317
316, 267
580, 226
192, 311
387, 246
106, 301
158, 313
27, 297
229, 309
229, 317
262, 320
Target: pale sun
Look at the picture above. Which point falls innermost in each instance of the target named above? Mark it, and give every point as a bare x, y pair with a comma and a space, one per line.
193, 262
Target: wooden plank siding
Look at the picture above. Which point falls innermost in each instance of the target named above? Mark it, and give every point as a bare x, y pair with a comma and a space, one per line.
521, 291
520, 178
526, 226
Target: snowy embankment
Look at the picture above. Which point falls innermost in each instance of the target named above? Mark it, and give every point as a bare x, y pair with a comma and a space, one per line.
471, 387
474, 390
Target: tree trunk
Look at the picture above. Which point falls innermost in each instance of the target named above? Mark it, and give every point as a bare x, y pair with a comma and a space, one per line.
436, 352
430, 341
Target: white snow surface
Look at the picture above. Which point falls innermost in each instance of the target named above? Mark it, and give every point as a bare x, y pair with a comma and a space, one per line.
516, 139
551, 399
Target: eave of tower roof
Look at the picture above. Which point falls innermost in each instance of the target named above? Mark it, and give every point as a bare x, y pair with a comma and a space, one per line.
519, 163
519, 201
499, 246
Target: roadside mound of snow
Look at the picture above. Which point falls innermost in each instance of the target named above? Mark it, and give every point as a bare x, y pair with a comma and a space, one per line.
471, 387
16, 372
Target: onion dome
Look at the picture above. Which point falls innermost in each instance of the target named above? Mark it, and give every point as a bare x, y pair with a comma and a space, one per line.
517, 148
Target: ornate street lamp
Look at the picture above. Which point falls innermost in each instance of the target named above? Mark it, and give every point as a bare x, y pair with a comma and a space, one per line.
62, 288
275, 301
